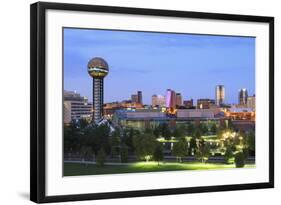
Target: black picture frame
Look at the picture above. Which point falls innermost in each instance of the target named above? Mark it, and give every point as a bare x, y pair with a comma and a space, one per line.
38, 99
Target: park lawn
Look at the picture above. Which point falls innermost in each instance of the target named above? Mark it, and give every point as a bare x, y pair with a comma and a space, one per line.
75, 169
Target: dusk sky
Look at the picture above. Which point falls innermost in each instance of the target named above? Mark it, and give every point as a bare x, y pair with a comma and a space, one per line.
153, 62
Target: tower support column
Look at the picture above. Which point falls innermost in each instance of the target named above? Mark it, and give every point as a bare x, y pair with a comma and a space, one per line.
97, 99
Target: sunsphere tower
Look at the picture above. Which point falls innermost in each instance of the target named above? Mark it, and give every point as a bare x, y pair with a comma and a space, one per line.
97, 69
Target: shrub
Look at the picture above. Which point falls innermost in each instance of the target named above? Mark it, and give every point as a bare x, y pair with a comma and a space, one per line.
239, 160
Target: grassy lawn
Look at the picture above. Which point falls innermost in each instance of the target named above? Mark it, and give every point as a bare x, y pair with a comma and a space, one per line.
74, 169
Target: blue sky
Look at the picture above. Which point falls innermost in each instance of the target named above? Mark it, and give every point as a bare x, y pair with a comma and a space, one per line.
153, 62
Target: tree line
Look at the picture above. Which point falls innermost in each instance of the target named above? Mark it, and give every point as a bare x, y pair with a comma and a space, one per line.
98, 142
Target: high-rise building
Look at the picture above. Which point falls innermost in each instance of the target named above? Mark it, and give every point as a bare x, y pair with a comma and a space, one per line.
171, 99
134, 98
205, 103
242, 96
220, 95
251, 102
188, 103
139, 93
178, 99
97, 69
137, 98
158, 100
76, 107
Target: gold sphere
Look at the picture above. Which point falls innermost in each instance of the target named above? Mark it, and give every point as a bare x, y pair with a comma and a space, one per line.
97, 67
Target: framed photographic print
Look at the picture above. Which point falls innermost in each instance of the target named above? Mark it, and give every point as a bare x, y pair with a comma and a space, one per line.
129, 102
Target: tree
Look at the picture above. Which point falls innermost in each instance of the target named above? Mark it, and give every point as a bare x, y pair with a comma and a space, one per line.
251, 142
144, 146
228, 154
192, 145
214, 128
246, 152
71, 136
97, 137
237, 140
127, 139
180, 149
203, 128
197, 134
239, 160
124, 154
165, 131
102, 134
222, 133
190, 129
88, 139
101, 157
156, 131
115, 142
158, 153
86, 152
203, 151
148, 130
179, 132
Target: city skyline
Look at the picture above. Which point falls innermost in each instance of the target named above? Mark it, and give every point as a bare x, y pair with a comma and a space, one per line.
159, 63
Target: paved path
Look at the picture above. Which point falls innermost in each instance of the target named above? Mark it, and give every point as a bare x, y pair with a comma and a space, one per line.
93, 162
